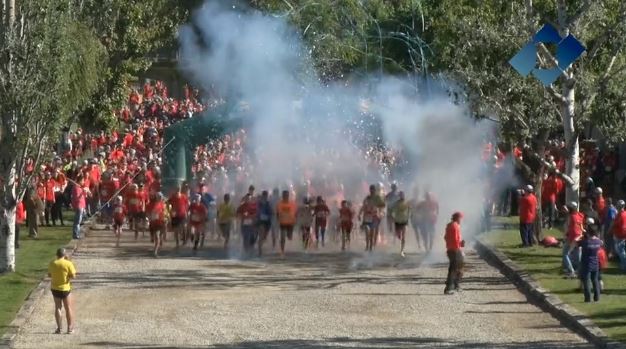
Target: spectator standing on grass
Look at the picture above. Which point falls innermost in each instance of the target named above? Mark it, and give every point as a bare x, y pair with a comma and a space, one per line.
589, 264
618, 230
573, 233
607, 220
527, 214
61, 271
31, 200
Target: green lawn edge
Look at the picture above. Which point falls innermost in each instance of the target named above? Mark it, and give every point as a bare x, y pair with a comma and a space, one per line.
544, 265
32, 260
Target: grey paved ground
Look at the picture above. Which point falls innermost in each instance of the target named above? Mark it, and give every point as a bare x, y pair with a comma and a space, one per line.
127, 299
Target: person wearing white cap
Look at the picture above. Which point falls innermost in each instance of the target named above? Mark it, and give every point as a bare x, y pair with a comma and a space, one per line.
600, 205
527, 215
574, 231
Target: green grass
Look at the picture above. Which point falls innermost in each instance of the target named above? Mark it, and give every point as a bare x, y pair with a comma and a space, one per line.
544, 265
32, 261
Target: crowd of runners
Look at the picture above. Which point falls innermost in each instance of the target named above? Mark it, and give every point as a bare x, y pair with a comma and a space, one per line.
116, 177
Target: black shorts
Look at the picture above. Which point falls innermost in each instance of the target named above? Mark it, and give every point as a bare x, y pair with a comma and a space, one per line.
265, 224
177, 221
60, 294
400, 225
286, 230
138, 215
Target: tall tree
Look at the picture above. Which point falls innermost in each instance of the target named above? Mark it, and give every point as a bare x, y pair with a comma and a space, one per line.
129, 30
49, 67
475, 40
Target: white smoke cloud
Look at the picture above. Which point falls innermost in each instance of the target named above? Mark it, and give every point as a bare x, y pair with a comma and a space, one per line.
301, 127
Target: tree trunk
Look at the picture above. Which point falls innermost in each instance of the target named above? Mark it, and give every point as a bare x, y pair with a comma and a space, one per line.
7, 262
540, 146
571, 142
7, 221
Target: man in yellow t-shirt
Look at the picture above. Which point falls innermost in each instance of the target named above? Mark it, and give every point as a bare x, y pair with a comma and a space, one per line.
61, 270
225, 218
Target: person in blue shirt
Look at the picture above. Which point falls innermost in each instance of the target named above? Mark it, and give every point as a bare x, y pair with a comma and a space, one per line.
208, 201
589, 269
264, 218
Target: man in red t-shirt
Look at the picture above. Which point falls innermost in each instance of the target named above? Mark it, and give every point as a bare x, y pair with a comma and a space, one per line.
321, 212
136, 206
180, 205
527, 214
198, 214
549, 193
454, 245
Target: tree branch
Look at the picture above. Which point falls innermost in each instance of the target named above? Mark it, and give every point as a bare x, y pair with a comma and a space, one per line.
574, 20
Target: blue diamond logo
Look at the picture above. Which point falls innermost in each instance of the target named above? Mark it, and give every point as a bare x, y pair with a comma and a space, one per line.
568, 50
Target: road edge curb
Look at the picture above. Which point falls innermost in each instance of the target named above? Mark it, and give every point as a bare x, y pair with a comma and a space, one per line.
26, 310
549, 302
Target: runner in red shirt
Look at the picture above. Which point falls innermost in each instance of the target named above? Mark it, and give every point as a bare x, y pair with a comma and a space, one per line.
136, 206
156, 215
346, 218
108, 188
180, 205
321, 213
119, 215
198, 214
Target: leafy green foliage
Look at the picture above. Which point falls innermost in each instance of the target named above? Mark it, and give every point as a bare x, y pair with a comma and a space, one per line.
50, 65
129, 31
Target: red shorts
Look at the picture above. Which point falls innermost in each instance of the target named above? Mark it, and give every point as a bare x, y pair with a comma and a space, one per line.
346, 226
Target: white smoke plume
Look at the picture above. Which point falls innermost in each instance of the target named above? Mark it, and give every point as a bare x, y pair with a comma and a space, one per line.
302, 128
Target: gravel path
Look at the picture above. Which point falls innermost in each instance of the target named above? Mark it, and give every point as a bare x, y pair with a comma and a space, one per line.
127, 299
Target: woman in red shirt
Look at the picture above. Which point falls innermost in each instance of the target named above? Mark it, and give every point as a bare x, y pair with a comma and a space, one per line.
156, 215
